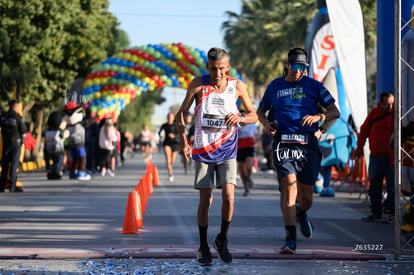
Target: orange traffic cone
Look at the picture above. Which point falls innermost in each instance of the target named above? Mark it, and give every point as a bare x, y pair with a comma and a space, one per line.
138, 207
144, 192
155, 178
148, 177
130, 220
141, 196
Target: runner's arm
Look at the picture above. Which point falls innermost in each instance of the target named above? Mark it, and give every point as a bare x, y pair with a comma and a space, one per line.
193, 89
251, 116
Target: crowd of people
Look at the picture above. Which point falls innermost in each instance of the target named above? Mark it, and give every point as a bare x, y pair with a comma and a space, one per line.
81, 146
78, 144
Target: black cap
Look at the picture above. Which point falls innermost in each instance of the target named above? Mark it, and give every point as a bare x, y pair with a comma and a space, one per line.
298, 59
298, 56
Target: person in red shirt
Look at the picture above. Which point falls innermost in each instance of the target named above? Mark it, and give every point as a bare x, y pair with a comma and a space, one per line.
378, 128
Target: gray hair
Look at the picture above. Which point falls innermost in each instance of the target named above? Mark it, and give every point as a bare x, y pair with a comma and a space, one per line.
216, 53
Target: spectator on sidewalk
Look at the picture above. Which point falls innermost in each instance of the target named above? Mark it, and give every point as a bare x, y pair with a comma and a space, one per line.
107, 143
13, 132
91, 133
378, 127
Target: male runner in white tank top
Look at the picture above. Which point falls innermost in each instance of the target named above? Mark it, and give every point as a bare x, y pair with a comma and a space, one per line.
214, 150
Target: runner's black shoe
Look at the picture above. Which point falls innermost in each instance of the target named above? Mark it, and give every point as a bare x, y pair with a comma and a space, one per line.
305, 225
204, 256
223, 252
288, 248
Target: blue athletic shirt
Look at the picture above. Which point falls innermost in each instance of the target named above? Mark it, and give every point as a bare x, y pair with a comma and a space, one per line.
291, 101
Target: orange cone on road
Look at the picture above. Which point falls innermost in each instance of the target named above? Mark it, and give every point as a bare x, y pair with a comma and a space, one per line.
155, 178
144, 193
148, 181
144, 183
138, 207
130, 220
140, 192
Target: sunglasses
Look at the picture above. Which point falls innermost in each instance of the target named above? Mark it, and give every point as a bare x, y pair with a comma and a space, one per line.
295, 67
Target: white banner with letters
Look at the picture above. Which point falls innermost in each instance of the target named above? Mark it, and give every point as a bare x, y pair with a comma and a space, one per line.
348, 29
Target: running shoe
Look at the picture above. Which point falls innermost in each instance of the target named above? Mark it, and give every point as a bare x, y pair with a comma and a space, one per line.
204, 256
82, 175
288, 248
110, 173
373, 218
223, 252
171, 178
246, 193
305, 225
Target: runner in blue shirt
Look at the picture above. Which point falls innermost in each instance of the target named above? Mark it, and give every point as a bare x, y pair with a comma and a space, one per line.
293, 100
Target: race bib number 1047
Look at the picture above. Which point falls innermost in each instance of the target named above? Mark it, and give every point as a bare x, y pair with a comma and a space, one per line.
214, 123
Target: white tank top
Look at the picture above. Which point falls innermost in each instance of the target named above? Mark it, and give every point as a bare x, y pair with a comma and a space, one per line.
213, 140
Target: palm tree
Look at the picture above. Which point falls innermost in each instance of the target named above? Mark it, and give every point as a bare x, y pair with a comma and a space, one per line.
259, 37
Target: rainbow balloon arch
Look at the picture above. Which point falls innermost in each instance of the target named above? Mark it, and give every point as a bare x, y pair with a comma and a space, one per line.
116, 81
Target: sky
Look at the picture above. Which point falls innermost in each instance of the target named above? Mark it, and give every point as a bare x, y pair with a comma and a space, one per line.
192, 22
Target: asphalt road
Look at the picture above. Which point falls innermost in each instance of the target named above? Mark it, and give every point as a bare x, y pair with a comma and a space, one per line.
74, 227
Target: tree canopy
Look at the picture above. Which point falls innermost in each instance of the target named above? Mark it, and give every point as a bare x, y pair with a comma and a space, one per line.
46, 44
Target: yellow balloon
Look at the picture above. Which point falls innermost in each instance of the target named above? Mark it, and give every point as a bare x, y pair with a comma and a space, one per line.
179, 55
96, 81
87, 83
127, 56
